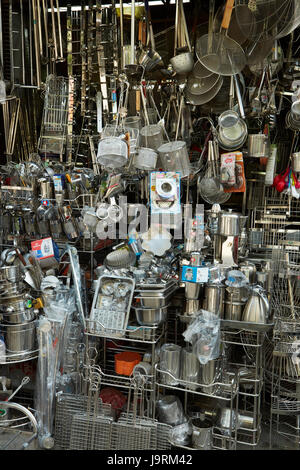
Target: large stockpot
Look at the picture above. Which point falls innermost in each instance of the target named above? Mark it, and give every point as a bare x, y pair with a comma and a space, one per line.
21, 337
214, 298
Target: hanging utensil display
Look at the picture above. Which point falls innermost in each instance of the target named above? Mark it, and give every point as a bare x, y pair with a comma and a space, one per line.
221, 54
183, 60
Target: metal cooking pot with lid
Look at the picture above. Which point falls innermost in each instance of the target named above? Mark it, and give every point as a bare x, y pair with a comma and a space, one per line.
230, 223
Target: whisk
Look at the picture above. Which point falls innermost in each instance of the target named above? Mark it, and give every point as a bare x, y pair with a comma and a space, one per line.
210, 188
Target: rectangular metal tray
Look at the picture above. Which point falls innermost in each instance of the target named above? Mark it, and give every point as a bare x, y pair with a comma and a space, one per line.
243, 325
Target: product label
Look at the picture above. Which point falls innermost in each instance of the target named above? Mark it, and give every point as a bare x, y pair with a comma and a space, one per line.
197, 274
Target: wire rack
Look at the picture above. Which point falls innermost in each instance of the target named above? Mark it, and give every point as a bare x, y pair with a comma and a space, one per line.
137, 333
224, 387
78, 428
55, 116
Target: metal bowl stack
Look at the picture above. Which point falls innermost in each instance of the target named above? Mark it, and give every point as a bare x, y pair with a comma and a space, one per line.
17, 314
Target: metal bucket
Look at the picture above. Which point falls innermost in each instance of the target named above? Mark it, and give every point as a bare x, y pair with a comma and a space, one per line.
20, 338
234, 310
214, 299
202, 434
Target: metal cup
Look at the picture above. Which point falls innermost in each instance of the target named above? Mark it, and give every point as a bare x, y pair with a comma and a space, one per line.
214, 299
208, 375
192, 290
170, 363
190, 368
202, 434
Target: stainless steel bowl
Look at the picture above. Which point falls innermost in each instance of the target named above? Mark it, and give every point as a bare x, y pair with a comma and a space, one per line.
151, 316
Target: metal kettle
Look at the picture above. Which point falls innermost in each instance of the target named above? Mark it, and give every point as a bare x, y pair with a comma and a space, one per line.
257, 307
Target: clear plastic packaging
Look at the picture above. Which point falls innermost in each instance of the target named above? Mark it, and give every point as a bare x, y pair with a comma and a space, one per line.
204, 335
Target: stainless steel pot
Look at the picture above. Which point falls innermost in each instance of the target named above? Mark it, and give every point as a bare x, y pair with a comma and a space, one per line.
193, 290
209, 372
20, 338
230, 223
236, 294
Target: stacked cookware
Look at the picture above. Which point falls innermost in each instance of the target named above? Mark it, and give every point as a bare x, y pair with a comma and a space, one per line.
17, 314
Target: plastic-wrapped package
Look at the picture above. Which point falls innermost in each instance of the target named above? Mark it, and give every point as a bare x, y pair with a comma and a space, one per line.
236, 278
204, 335
51, 335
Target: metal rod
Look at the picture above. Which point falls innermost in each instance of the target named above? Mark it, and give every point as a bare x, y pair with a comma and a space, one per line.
61, 54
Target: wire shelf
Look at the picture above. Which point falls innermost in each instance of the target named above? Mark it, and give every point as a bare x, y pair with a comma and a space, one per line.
136, 333
224, 387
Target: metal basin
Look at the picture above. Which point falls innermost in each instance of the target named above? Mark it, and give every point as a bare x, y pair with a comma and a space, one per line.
151, 316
